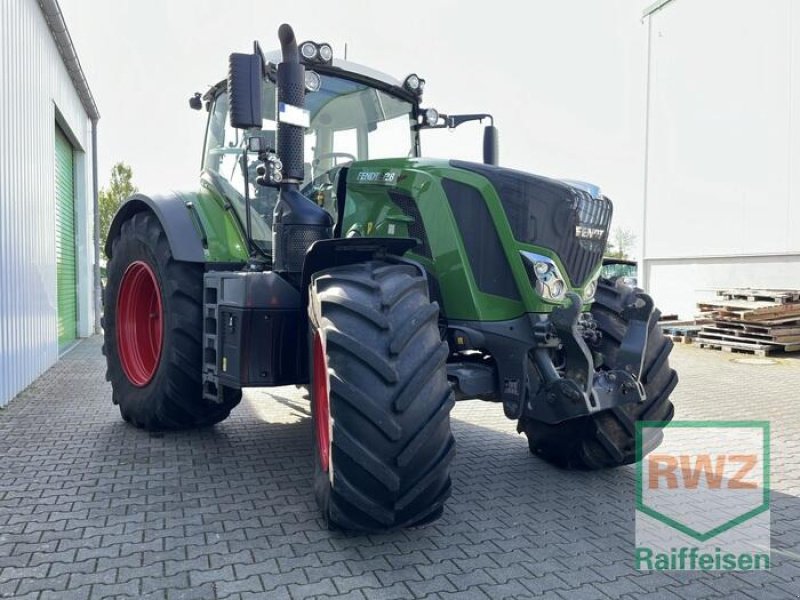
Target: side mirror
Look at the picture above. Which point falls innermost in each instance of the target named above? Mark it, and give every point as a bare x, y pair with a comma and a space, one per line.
490, 150
196, 102
244, 90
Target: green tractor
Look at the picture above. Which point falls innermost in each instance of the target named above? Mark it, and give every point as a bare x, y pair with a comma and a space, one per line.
322, 250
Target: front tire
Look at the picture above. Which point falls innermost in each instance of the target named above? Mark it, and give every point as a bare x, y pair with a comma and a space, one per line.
153, 332
608, 438
380, 398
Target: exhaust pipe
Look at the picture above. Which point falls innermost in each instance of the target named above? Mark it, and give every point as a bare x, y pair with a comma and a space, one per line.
291, 91
297, 222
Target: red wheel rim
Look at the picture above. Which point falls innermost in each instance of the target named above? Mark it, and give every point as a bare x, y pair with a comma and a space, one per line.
140, 331
321, 404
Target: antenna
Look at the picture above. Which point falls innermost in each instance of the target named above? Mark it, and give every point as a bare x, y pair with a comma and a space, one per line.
345, 50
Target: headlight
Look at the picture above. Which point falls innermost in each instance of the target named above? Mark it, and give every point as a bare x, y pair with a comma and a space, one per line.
589, 290
412, 83
545, 276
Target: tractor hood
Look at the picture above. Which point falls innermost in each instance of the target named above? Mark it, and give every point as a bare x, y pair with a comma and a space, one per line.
485, 230
570, 218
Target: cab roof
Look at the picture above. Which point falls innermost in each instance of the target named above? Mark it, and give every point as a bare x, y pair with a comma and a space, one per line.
344, 65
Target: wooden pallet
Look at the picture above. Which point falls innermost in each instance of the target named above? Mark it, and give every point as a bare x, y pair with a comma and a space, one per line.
789, 328
745, 310
752, 295
745, 335
759, 348
759, 321
755, 349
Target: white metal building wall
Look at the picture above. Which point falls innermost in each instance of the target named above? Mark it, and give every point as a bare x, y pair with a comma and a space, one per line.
722, 200
36, 93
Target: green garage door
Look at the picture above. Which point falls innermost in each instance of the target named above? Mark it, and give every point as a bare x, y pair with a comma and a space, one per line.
65, 242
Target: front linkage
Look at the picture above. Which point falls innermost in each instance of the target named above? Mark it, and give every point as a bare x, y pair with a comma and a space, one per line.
547, 368
579, 389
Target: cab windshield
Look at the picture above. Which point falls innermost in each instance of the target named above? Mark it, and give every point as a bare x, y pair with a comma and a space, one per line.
349, 121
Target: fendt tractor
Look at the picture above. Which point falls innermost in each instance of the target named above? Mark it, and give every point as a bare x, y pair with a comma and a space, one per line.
322, 250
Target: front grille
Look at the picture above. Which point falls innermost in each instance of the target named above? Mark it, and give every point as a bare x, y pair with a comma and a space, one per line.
582, 255
551, 214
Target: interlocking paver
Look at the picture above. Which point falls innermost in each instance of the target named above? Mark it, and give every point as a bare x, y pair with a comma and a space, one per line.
93, 508
249, 584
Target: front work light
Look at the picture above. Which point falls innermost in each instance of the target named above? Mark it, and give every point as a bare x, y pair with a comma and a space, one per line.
431, 117
545, 276
309, 50
414, 84
326, 52
319, 53
313, 81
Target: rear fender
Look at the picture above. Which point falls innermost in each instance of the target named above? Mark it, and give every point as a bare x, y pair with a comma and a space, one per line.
178, 218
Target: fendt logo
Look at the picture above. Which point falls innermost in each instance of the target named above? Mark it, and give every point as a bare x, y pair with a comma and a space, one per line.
589, 233
703, 496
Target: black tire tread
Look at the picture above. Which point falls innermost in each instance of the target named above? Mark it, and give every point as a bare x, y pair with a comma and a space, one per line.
389, 398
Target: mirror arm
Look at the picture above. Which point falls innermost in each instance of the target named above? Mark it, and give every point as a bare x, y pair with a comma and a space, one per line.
454, 121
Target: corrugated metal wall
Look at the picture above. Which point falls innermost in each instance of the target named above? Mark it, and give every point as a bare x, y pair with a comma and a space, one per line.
36, 93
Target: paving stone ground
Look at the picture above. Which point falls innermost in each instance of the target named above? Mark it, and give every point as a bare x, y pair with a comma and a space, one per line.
92, 508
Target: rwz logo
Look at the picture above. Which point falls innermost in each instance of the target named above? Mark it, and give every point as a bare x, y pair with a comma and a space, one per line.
686, 471
702, 498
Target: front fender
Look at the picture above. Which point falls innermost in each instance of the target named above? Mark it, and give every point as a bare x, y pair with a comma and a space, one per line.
176, 215
324, 254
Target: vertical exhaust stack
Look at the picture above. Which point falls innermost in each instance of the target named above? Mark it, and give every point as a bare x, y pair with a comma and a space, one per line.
298, 222
291, 92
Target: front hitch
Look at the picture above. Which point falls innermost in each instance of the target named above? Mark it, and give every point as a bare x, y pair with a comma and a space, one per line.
579, 390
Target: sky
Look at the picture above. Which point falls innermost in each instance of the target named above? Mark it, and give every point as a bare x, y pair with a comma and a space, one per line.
564, 79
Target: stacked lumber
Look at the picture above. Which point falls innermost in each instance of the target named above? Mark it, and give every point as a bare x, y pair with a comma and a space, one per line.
756, 321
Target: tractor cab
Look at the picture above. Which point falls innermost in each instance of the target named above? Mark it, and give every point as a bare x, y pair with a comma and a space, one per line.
354, 113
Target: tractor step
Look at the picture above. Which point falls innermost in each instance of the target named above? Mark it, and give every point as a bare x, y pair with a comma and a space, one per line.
211, 293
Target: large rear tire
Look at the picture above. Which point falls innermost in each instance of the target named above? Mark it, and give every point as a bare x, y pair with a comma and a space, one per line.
153, 332
380, 398
608, 438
